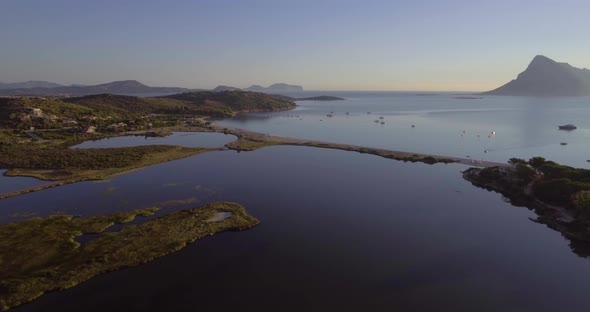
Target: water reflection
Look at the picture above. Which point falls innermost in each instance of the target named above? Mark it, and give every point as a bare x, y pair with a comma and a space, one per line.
525, 127
188, 139
339, 231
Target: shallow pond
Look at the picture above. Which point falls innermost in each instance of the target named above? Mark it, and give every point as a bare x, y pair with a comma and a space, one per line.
12, 184
188, 139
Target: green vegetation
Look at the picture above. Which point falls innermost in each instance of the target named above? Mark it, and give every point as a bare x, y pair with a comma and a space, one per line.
47, 157
582, 203
229, 103
116, 113
547, 181
75, 165
525, 173
249, 145
42, 254
89, 164
128, 106
515, 161
249, 141
553, 170
36, 132
559, 194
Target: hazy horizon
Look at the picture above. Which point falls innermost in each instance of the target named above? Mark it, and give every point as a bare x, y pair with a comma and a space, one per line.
321, 45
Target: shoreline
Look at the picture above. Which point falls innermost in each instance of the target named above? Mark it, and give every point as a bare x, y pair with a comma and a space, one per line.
245, 141
520, 186
251, 140
93, 175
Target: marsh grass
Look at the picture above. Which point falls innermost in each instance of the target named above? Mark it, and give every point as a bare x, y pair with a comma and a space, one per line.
42, 254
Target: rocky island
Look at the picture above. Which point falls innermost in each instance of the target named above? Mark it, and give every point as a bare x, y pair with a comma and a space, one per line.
559, 195
319, 98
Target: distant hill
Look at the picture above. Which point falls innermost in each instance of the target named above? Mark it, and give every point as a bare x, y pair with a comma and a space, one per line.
546, 77
225, 88
106, 109
228, 103
275, 88
125, 87
29, 84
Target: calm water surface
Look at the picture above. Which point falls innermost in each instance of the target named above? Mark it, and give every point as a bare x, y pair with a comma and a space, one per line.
11, 184
524, 126
339, 231
188, 139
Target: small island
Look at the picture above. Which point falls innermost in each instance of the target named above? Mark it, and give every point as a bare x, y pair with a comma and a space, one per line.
44, 254
463, 97
320, 98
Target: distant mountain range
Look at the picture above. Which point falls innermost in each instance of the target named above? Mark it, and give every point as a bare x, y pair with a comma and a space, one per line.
29, 85
226, 88
125, 87
546, 77
274, 89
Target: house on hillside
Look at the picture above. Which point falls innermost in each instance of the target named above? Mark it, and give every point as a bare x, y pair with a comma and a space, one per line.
34, 112
117, 127
68, 120
89, 129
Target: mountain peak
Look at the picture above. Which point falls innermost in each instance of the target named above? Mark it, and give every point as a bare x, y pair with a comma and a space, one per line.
541, 61
546, 77
542, 58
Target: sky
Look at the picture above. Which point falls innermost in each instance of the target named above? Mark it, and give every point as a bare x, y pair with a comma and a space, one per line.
450, 45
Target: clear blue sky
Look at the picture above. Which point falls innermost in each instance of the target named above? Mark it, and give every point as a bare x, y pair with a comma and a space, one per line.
329, 45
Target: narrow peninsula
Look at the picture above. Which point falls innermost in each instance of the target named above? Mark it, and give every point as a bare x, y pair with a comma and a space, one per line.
559, 195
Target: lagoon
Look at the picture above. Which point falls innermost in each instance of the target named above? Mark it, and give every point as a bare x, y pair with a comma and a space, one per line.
186, 139
11, 184
338, 231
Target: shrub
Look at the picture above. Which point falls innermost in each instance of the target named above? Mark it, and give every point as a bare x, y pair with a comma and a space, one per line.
515, 161
559, 191
537, 162
524, 172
